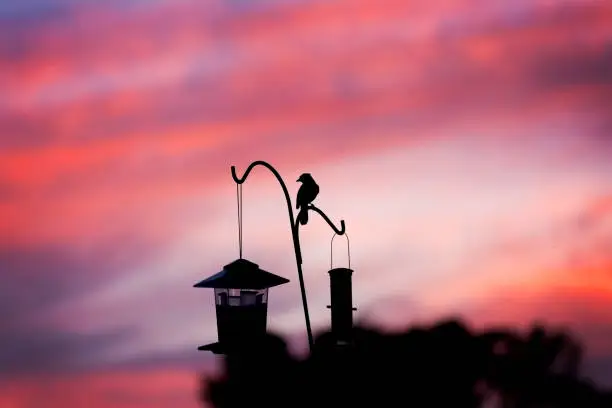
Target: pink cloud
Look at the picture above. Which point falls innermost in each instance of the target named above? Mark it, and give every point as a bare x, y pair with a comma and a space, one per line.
134, 389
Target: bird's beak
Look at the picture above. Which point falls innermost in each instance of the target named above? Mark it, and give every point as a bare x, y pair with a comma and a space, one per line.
298, 180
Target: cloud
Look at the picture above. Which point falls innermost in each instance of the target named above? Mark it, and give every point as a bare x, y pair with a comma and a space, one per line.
285, 82
120, 388
33, 279
34, 282
53, 351
577, 67
183, 116
41, 336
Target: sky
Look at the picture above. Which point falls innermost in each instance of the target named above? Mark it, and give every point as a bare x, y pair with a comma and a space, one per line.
465, 143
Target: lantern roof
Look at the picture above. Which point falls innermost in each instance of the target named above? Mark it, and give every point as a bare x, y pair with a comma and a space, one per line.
242, 274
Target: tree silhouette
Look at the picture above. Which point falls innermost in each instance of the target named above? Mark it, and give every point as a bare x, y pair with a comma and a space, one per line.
441, 365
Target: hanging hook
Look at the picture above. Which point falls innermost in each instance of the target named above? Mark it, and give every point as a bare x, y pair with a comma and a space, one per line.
338, 231
348, 250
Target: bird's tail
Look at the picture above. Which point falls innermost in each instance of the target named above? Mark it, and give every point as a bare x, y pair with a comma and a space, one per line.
303, 216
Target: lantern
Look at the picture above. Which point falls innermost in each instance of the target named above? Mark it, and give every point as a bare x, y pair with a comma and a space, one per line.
241, 302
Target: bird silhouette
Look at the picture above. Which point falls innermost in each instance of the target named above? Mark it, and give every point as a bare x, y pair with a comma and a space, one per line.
306, 194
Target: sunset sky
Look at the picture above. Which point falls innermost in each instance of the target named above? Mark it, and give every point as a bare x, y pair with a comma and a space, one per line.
467, 144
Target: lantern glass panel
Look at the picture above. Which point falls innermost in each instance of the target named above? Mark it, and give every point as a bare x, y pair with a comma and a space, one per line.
240, 297
241, 313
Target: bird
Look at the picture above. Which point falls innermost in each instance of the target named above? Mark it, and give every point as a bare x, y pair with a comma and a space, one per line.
306, 194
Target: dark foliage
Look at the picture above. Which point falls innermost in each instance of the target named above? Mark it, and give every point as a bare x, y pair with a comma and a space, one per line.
442, 365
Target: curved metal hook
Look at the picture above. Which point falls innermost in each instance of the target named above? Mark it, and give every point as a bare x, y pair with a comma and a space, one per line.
298, 251
248, 170
338, 231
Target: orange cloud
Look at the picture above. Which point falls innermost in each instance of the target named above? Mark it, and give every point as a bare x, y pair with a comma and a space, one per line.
134, 389
576, 300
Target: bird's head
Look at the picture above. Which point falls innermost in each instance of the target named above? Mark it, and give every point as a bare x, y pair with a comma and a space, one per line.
305, 177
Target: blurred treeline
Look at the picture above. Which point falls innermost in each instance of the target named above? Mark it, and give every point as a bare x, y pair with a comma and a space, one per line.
443, 365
